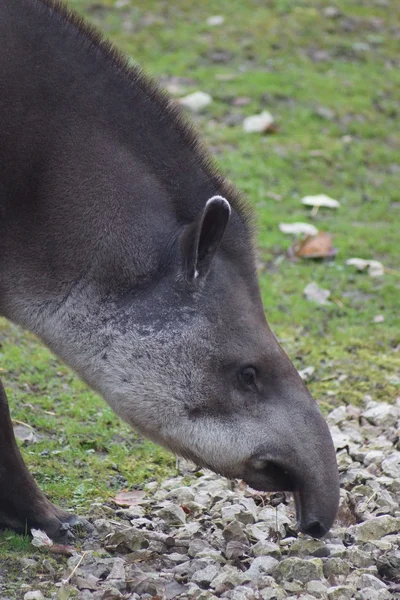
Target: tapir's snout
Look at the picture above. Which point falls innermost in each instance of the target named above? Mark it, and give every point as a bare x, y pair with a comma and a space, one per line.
304, 465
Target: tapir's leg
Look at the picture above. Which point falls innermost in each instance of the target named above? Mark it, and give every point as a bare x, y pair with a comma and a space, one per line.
22, 504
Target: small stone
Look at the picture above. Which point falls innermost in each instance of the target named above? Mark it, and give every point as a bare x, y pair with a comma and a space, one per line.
86, 582
118, 569
229, 577
28, 563
391, 465
82, 595
235, 549
389, 565
34, 595
375, 528
371, 594
335, 566
272, 594
181, 495
215, 20
196, 102
325, 113
128, 539
196, 546
234, 532
384, 545
358, 558
262, 564
230, 512
172, 514
317, 589
381, 414
174, 589
242, 593
340, 592
316, 294
302, 570
337, 415
378, 319
176, 557
305, 547
212, 555
204, 577
48, 566
374, 456
274, 517
111, 593
332, 12
262, 123
25, 434
264, 548
370, 581
196, 593
293, 587
336, 549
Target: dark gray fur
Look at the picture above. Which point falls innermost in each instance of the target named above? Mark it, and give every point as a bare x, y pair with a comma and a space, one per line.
113, 253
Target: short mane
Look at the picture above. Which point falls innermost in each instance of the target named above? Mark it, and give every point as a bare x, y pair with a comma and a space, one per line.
136, 76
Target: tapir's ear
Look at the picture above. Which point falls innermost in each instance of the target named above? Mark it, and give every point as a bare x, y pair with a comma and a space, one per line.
204, 236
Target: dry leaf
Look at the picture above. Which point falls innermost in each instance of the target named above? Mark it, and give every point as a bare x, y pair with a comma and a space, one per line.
62, 549
241, 101
262, 123
315, 246
320, 200
196, 101
316, 294
375, 268
129, 498
298, 228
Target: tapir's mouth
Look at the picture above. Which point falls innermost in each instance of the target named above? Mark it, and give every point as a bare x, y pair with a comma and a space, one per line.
270, 476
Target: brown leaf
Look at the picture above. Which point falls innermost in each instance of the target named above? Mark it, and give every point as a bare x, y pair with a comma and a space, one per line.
62, 549
129, 498
315, 246
186, 509
241, 101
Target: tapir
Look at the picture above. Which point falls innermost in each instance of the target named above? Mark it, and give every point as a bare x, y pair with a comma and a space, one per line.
128, 253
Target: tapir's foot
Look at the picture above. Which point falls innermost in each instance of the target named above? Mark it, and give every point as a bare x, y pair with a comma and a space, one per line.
59, 525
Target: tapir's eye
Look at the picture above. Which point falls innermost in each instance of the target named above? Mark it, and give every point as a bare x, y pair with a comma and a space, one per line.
248, 377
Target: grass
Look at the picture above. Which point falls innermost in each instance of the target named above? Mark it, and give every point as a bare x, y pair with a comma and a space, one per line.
332, 83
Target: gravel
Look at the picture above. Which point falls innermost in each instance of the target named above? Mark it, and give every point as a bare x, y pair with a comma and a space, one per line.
201, 537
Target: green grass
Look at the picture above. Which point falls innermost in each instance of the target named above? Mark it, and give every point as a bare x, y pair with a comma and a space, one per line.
290, 59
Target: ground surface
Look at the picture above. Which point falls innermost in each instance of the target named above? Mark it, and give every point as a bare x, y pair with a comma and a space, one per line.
330, 76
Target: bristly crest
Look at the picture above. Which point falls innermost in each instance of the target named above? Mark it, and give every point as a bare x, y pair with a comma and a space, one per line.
136, 76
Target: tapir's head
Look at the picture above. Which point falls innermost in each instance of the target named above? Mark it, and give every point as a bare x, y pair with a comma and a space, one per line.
197, 369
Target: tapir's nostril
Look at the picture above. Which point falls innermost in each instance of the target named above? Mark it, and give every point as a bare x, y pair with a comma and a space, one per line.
315, 528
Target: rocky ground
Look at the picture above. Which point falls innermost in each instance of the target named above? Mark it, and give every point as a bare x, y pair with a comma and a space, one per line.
202, 537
